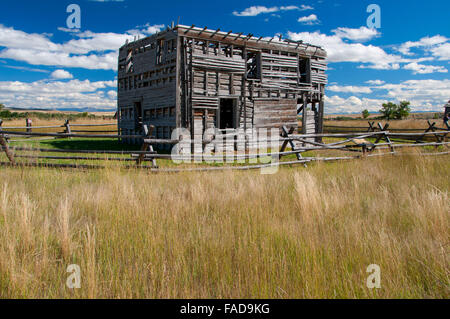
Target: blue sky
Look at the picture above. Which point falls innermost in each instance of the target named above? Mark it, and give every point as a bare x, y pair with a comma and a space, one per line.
43, 65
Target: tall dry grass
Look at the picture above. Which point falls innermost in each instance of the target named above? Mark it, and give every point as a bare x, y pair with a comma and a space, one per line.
302, 233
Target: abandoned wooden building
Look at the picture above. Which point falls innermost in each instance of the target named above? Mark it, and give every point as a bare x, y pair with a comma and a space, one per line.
196, 78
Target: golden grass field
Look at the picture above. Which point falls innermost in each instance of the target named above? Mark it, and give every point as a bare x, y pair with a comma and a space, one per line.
301, 233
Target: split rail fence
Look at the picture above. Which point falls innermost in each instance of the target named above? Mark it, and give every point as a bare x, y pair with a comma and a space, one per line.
373, 142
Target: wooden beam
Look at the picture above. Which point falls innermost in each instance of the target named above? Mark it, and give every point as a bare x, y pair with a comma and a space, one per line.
249, 36
257, 45
214, 33
229, 32
204, 29
192, 27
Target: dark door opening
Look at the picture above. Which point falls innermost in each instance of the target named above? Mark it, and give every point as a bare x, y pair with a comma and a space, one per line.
138, 113
227, 114
305, 70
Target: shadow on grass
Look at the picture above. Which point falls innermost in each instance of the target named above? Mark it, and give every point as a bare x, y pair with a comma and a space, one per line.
90, 145
96, 145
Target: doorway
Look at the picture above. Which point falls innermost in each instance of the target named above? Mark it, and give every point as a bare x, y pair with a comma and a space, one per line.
138, 113
227, 114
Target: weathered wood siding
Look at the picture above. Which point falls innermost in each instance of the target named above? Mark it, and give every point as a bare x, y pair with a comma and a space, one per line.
147, 76
214, 72
275, 113
179, 77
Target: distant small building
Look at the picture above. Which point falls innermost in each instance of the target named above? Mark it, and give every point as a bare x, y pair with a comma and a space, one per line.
196, 78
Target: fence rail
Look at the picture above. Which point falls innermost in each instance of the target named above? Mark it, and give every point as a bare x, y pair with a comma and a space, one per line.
364, 143
372, 127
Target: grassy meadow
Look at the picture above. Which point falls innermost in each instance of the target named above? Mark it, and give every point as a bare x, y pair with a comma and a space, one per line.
301, 233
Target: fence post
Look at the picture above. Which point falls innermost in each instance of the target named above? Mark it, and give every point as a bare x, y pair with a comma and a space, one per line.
371, 128
448, 125
28, 124
430, 128
4, 136
146, 147
364, 149
285, 134
67, 126
383, 136
386, 137
4, 145
445, 138
439, 138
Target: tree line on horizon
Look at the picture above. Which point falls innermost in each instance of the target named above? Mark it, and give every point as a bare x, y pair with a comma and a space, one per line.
388, 111
392, 111
8, 115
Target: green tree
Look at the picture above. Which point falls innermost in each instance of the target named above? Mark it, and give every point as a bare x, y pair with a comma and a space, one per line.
388, 110
392, 111
403, 110
1, 106
365, 114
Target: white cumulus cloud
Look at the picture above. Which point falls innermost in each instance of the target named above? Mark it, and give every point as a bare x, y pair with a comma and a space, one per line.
349, 89
309, 20
424, 69
360, 34
58, 94
352, 104
426, 42
257, 10
424, 95
61, 75
339, 50
441, 52
88, 50
375, 82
